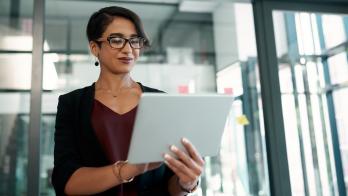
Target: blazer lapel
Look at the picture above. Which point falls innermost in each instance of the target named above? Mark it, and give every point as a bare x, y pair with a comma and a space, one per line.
88, 137
86, 106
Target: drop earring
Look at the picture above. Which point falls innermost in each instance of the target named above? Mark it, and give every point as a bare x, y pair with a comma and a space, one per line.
96, 63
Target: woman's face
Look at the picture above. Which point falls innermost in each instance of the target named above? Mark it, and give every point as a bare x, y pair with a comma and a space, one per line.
122, 60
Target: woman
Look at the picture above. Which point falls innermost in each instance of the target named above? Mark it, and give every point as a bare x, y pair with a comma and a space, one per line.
94, 124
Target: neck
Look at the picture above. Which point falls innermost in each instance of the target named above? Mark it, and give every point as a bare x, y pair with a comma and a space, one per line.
114, 82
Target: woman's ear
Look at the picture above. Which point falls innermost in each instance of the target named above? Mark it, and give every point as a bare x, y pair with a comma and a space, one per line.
94, 47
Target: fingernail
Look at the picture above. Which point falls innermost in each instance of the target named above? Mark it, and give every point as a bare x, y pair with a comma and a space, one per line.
185, 140
173, 148
166, 156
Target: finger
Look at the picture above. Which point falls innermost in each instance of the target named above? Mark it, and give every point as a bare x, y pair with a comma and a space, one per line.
180, 174
187, 160
192, 151
177, 172
179, 168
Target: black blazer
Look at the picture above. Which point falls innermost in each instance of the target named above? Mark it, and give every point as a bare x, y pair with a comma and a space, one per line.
76, 145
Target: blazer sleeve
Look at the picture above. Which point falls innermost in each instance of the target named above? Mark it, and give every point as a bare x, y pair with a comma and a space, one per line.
66, 159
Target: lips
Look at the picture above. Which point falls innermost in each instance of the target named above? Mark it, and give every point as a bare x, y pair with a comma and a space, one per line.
126, 60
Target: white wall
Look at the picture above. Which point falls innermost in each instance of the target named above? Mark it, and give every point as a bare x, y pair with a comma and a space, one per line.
234, 33
225, 35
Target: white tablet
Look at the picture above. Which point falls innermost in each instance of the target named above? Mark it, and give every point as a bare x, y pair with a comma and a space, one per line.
164, 119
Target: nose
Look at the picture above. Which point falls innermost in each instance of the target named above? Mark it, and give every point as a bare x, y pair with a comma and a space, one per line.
127, 48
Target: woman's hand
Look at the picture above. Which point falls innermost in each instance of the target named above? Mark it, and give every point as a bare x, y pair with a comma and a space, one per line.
187, 167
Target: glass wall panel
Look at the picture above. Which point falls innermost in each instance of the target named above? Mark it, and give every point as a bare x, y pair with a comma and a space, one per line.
195, 49
15, 79
313, 72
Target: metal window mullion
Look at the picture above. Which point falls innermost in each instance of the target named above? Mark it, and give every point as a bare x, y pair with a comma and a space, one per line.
332, 118
249, 131
312, 134
345, 24
293, 54
323, 130
325, 138
35, 100
251, 65
270, 90
309, 6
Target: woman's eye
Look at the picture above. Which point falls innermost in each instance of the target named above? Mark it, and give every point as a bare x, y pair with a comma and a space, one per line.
135, 41
117, 41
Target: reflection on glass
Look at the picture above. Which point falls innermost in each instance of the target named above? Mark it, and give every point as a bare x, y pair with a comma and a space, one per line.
313, 62
13, 149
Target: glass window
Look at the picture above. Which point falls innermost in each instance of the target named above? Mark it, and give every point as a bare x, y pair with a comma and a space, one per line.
15, 79
314, 60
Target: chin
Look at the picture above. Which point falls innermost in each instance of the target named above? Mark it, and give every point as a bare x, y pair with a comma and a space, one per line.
122, 70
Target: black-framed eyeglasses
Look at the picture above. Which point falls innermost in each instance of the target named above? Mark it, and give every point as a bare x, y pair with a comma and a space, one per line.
120, 42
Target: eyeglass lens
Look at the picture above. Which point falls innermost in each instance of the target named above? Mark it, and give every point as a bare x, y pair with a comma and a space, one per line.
120, 42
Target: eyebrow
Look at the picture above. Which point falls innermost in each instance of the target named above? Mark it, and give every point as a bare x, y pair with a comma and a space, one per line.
121, 35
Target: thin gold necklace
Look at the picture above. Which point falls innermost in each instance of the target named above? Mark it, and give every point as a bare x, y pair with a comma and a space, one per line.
113, 95
110, 91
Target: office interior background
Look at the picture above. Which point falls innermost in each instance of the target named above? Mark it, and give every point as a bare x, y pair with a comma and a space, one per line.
284, 61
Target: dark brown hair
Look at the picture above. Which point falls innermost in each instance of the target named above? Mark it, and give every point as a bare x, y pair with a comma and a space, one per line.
99, 21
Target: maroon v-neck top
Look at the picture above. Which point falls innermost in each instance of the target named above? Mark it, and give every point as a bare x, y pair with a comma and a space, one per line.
114, 132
